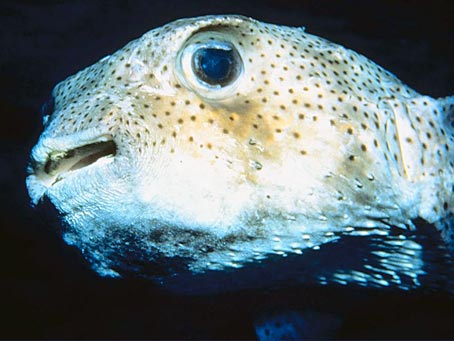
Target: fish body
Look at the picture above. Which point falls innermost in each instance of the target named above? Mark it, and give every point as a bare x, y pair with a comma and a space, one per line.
214, 143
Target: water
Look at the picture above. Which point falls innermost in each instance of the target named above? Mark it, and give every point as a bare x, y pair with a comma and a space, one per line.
47, 290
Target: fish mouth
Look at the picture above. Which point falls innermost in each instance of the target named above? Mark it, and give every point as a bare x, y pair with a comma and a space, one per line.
80, 157
55, 159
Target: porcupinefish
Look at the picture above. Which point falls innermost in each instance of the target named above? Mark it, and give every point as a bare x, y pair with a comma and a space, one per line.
216, 143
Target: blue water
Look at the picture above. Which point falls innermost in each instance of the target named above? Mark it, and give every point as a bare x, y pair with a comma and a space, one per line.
47, 290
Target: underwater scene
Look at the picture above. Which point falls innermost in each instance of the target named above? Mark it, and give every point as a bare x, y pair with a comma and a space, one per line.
235, 170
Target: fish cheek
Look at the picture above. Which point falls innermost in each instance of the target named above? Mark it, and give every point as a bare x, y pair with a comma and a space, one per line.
245, 121
254, 129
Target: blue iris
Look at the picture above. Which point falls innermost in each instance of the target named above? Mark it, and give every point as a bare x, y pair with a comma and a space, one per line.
215, 63
216, 66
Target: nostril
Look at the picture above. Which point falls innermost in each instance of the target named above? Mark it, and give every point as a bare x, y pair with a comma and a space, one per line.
47, 108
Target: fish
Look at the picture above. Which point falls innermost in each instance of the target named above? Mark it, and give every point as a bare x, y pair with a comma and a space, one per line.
224, 146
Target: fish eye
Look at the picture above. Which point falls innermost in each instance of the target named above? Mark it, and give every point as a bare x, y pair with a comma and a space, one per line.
216, 63
210, 65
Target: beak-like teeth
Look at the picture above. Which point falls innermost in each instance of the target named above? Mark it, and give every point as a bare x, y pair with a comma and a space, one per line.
79, 157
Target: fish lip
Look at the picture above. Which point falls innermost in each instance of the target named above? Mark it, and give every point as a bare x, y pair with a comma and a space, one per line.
53, 159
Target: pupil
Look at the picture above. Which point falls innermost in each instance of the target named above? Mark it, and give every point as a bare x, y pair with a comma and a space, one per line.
215, 64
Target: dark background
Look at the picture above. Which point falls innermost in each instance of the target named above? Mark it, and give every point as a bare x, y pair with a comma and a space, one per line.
46, 290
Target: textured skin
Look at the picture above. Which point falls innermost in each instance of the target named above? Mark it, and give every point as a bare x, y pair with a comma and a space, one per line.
312, 143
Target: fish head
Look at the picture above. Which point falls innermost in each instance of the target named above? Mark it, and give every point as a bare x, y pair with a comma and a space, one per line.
214, 142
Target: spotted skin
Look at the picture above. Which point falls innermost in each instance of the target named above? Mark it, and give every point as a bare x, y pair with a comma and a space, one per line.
311, 143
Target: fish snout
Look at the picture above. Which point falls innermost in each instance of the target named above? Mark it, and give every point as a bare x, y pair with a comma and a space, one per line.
54, 159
